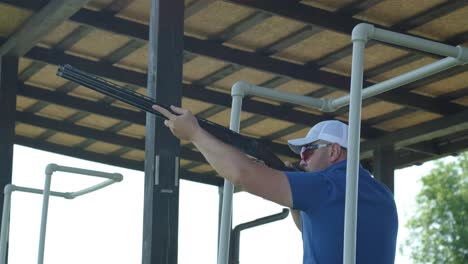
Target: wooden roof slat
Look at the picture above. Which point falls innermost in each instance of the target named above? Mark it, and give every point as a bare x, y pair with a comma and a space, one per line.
79, 33
375, 55
61, 138
390, 12
455, 94
265, 33
38, 25
27, 130
30, 70
390, 115
123, 51
12, 18
201, 67
217, 75
98, 44
196, 7
290, 40
420, 86
443, 27
207, 22
241, 26
46, 78
429, 14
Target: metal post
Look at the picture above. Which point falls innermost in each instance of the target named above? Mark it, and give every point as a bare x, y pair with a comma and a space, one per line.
8, 86
235, 239
383, 166
5, 222
162, 149
226, 215
45, 208
352, 163
46, 192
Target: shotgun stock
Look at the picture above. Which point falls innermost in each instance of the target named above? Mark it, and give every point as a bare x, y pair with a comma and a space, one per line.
249, 146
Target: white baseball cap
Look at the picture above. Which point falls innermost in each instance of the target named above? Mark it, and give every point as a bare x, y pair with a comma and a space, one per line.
332, 131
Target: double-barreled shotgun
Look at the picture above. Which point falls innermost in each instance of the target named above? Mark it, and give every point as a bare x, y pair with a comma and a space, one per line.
249, 146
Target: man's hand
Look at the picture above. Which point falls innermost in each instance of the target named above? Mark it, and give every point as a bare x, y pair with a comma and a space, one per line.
184, 125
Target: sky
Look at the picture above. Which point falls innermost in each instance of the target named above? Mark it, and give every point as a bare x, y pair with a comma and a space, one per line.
106, 226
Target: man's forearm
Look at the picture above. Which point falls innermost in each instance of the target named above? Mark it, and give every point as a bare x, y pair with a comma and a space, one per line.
238, 169
229, 162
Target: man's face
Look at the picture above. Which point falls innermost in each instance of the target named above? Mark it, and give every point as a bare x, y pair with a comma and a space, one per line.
315, 156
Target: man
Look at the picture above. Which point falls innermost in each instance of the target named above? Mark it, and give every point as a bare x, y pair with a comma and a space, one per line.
319, 192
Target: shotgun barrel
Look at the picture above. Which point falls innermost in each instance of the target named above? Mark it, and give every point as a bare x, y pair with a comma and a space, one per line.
247, 145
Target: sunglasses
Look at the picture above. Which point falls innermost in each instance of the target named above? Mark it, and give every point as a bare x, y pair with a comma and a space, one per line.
308, 150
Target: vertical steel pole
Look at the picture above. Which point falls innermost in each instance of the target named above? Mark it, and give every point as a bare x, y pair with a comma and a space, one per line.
45, 209
226, 215
8, 87
352, 165
162, 149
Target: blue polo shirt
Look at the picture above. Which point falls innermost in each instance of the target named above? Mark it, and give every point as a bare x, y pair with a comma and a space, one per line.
320, 196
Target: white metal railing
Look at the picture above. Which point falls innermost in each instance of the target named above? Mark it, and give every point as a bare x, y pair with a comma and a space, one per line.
360, 35
46, 192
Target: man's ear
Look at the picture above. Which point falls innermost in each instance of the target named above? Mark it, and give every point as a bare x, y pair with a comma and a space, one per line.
335, 152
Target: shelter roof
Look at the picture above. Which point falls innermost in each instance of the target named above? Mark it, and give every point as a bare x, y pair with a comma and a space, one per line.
301, 47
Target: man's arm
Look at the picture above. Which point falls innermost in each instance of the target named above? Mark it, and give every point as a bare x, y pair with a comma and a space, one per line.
229, 162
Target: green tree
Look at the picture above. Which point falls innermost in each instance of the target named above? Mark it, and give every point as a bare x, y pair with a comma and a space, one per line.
438, 230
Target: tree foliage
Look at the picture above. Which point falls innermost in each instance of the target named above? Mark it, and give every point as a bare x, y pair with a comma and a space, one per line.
438, 230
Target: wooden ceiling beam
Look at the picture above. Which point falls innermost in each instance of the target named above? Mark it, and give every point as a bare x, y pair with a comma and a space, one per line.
356, 7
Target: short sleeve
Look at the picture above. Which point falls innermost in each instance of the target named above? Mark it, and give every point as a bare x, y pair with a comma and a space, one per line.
309, 189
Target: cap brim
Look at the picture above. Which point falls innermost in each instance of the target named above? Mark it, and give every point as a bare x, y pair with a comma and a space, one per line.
296, 144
